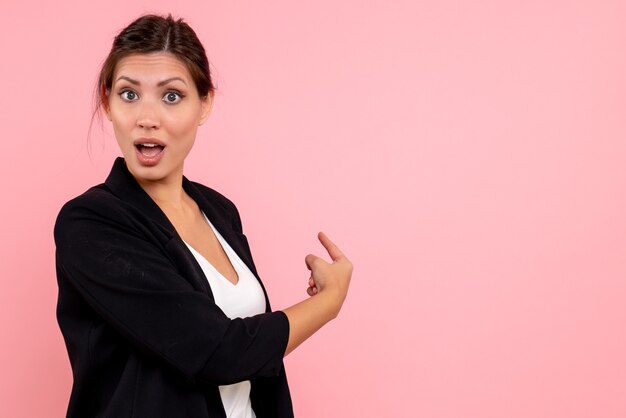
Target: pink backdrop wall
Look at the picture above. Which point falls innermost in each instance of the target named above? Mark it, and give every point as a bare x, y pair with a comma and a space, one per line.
467, 155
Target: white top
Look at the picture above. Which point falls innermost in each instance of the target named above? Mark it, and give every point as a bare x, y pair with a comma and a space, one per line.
239, 300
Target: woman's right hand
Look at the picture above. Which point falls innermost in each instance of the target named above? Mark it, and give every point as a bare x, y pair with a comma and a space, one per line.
330, 279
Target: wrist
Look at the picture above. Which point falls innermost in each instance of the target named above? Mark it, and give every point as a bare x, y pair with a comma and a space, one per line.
331, 302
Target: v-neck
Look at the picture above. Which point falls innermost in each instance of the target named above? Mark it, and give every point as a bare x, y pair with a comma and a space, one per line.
232, 256
237, 300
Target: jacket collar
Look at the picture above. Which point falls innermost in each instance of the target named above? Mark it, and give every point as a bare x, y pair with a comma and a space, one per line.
122, 183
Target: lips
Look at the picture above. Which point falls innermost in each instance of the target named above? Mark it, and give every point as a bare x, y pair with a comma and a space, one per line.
149, 151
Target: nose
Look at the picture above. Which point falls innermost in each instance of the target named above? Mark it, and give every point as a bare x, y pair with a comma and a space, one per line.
148, 116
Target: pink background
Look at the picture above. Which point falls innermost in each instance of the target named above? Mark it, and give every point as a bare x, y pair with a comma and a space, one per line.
469, 156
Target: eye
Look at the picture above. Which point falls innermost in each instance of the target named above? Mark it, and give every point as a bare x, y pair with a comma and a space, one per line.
172, 97
128, 95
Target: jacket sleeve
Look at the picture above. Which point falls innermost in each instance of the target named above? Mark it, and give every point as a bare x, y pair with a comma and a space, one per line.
128, 279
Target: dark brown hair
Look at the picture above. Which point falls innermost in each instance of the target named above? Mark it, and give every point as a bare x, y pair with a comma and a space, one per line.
150, 34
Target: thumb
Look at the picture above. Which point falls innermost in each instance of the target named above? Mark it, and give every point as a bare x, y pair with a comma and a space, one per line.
309, 260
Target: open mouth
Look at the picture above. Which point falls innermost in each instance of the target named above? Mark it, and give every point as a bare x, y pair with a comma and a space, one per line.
149, 150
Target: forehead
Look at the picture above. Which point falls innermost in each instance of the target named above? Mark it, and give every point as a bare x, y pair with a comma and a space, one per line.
151, 67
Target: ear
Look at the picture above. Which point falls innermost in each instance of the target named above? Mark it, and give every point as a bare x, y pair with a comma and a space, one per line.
207, 105
104, 100
107, 111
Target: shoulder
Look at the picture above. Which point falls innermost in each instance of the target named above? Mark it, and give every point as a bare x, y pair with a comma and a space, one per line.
97, 204
98, 200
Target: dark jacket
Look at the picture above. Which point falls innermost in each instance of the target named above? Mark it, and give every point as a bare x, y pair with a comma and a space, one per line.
143, 333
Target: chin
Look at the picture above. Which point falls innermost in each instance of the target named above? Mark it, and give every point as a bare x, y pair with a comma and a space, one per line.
142, 172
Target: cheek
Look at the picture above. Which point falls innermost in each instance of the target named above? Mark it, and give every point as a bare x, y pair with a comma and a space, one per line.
120, 120
183, 125
122, 129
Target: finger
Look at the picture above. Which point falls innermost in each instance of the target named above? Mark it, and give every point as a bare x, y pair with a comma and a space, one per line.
309, 260
334, 251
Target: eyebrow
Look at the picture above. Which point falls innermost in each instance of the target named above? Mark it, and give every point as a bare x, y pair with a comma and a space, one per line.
159, 84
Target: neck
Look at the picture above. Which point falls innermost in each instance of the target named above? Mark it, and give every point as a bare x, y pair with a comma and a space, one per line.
166, 192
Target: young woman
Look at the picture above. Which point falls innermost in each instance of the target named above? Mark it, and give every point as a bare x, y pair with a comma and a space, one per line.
160, 304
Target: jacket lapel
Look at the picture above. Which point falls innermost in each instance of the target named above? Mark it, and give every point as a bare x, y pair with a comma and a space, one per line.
122, 183
224, 225
221, 223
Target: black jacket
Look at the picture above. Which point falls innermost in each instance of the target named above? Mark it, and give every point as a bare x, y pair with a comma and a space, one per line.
143, 334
